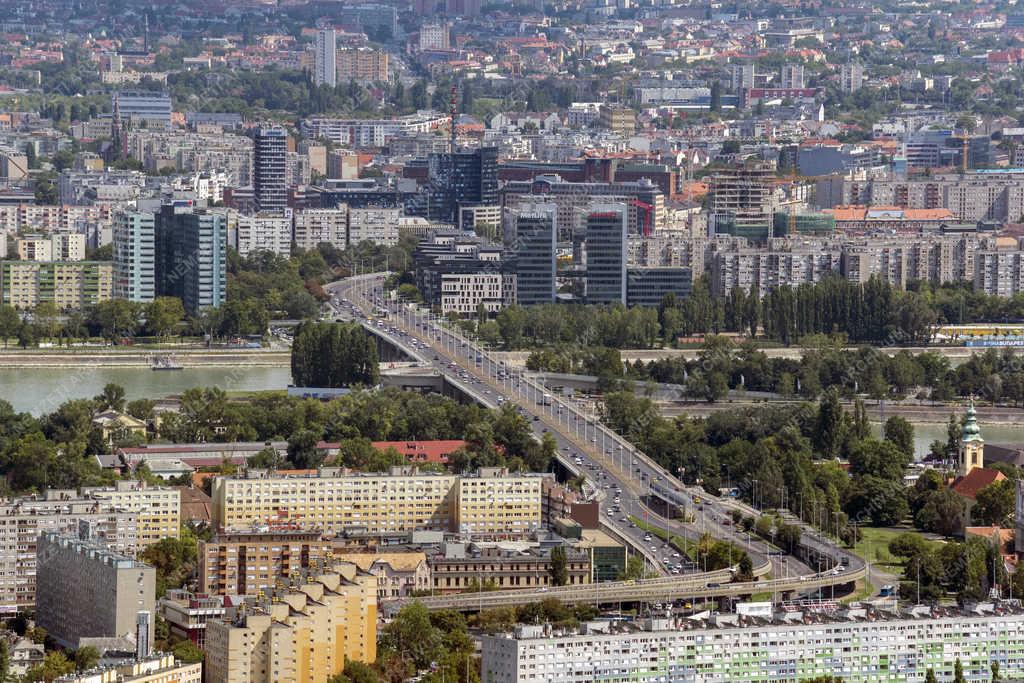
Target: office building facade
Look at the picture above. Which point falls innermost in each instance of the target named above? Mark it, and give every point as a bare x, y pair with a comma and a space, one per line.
83, 590
191, 256
534, 248
467, 178
606, 252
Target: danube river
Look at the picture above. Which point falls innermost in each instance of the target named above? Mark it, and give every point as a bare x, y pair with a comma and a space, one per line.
41, 390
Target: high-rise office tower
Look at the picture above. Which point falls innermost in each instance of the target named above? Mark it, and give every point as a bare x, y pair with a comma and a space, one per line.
191, 256
533, 245
325, 58
462, 179
606, 253
135, 256
270, 169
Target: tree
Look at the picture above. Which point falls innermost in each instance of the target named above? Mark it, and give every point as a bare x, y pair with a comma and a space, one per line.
86, 658
942, 513
412, 637
10, 322
559, 566
334, 355
55, 664
958, 672
930, 677
636, 568
267, 459
994, 503
901, 433
163, 314
187, 651
5, 660
112, 398
302, 450
829, 428
356, 672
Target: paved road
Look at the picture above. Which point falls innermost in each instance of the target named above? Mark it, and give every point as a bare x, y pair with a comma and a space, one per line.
623, 472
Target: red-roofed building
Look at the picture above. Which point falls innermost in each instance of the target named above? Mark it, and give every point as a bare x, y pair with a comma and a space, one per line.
415, 452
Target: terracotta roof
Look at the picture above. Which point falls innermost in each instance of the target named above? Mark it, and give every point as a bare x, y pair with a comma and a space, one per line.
975, 480
195, 504
414, 451
402, 562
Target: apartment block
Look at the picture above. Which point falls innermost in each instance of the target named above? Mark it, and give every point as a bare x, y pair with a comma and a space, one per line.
377, 225
889, 648
496, 502
405, 500
780, 263
982, 195
999, 272
187, 613
57, 246
264, 232
371, 132
22, 520
70, 285
243, 562
158, 508
319, 226
135, 256
83, 590
362, 65
459, 273
621, 120
302, 631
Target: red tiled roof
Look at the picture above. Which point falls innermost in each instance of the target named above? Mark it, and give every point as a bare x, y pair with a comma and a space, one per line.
414, 451
975, 480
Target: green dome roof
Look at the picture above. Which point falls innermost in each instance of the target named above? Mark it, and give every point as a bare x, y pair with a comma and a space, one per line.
971, 431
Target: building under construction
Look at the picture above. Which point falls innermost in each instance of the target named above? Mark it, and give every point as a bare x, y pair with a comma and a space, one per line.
742, 201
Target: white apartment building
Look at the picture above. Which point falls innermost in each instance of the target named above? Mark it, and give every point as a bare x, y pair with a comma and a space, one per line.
900, 648
463, 293
316, 226
325, 58
264, 232
58, 246
435, 36
376, 225
22, 520
371, 132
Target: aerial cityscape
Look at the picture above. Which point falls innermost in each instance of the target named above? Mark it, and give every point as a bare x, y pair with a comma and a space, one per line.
452, 341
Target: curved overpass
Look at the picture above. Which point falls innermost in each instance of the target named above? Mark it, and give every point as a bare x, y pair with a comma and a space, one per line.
605, 592
628, 467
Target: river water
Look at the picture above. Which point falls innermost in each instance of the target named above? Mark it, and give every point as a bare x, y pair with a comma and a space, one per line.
926, 432
40, 390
